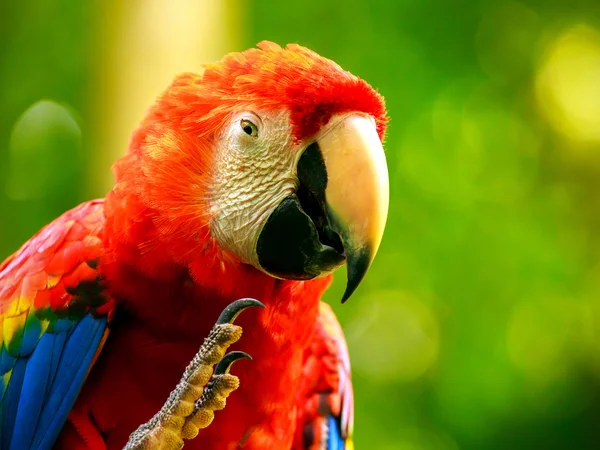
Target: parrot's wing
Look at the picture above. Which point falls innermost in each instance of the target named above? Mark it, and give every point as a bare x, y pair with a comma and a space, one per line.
326, 402
53, 321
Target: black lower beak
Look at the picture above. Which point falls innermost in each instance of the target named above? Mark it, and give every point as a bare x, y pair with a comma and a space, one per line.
298, 240
302, 239
338, 211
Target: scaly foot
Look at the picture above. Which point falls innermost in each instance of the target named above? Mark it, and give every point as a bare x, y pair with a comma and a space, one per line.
200, 392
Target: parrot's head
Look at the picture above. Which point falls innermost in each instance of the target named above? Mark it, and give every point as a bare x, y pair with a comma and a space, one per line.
273, 157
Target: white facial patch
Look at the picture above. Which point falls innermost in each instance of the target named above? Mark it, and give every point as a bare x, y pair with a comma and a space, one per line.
255, 171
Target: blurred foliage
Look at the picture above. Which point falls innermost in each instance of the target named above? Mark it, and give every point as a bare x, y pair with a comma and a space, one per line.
478, 325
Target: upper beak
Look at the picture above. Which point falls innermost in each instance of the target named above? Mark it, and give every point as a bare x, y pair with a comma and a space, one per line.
357, 191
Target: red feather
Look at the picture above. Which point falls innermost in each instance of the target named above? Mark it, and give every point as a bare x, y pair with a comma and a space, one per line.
326, 387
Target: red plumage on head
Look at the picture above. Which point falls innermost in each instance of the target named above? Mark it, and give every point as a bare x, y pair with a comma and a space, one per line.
312, 87
163, 183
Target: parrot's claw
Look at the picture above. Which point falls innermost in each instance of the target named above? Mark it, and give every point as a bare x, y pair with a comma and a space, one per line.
227, 361
230, 313
200, 392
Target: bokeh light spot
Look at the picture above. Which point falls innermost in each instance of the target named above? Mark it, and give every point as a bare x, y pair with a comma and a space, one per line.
45, 145
393, 337
568, 84
536, 342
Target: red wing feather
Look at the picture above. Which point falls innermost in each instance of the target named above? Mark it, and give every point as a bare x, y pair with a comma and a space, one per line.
326, 396
53, 323
51, 277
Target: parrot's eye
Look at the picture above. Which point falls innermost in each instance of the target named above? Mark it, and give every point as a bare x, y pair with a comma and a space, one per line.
249, 128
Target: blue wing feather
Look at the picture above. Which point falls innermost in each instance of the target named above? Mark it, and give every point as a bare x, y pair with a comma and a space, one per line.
334, 435
44, 386
59, 344
78, 354
34, 385
10, 402
7, 362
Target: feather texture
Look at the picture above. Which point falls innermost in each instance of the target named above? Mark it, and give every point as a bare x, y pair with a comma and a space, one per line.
325, 400
53, 317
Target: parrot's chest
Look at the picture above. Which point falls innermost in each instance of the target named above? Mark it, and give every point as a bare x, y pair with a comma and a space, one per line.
138, 369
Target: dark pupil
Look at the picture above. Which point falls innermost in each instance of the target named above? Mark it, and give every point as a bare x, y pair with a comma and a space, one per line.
248, 130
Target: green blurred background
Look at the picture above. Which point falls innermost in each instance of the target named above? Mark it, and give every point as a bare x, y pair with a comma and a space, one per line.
478, 325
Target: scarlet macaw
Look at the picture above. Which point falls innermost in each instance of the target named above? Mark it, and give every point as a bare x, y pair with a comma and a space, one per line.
254, 179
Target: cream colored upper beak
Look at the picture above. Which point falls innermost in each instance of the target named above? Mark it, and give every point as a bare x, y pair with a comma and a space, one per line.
357, 192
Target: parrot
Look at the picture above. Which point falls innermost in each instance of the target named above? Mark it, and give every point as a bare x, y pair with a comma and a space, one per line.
244, 187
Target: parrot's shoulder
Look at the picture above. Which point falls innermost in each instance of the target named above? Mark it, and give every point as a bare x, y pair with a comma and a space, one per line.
53, 276
54, 314
326, 409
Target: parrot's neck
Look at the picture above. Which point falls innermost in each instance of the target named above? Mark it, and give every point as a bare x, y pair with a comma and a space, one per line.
180, 291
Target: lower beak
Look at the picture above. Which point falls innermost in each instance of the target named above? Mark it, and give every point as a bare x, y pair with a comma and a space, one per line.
357, 191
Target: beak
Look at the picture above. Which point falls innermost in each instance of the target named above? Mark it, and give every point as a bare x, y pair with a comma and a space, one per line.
357, 191
338, 211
